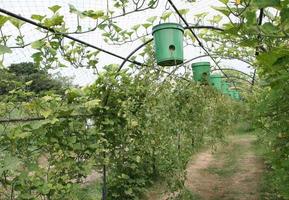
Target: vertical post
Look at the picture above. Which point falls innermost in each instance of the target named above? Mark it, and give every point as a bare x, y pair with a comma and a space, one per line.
154, 162
179, 144
104, 188
253, 80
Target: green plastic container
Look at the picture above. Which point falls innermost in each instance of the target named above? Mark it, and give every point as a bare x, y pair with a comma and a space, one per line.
168, 42
236, 94
231, 94
201, 71
225, 88
216, 81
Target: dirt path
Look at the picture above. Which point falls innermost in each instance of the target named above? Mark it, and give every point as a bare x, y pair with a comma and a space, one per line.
233, 172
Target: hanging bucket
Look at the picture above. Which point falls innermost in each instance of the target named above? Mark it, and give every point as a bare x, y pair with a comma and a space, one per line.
168, 42
236, 94
216, 81
201, 71
225, 87
231, 94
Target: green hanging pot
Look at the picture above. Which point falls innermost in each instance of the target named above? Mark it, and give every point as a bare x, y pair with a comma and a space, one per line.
216, 81
201, 71
168, 44
236, 94
225, 88
231, 94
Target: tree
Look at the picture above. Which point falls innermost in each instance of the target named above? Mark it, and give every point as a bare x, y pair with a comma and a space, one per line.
32, 78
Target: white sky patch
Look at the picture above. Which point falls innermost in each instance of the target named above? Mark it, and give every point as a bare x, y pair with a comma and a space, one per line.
86, 76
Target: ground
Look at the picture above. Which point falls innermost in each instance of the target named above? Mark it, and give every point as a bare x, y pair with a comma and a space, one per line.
232, 172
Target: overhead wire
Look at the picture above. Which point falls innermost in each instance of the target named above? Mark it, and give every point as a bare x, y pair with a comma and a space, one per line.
198, 39
113, 54
125, 59
65, 35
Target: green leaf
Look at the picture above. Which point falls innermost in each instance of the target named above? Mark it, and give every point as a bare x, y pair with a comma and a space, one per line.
45, 189
146, 25
54, 8
4, 50
94, 14
166, 15
3, 20
224, 1
269, 58
72, 94
38, 44
152, 19
136, 27
201, 15
53, 120
269, 28
16, 22
37, 57
222, 10
138, 159
10, 163
217, 18
128, 191
188, 33
251, 18
117, 28
38, 17
46, 113
265, 3
56, 20
92, 104
29, 82
73, 10
22, 135
184, 11
284, 13
47, 98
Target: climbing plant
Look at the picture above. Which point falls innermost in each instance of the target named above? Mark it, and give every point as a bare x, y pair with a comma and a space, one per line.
138, 122
260, 27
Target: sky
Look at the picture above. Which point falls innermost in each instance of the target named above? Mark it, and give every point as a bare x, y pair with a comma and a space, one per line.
86, 76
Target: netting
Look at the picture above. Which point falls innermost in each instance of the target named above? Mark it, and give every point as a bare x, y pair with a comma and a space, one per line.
83, 76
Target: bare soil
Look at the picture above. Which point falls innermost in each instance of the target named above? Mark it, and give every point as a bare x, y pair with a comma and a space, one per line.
233, 172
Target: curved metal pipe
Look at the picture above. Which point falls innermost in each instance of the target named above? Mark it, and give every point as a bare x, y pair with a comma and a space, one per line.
242, 89
64, 35
239, 78
236, 71
132, 53
204, 27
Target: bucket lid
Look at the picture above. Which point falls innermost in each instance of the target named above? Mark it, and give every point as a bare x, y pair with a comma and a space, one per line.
168, 26
198, 64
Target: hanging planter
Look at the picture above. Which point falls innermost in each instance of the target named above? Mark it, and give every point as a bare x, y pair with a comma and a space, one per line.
231, 93
225, 87
201, 71
216, 81
236, 94
168, 42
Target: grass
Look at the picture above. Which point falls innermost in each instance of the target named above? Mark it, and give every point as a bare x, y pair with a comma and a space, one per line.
187, 195
267, 187
90, 192
229, 167
267, 190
